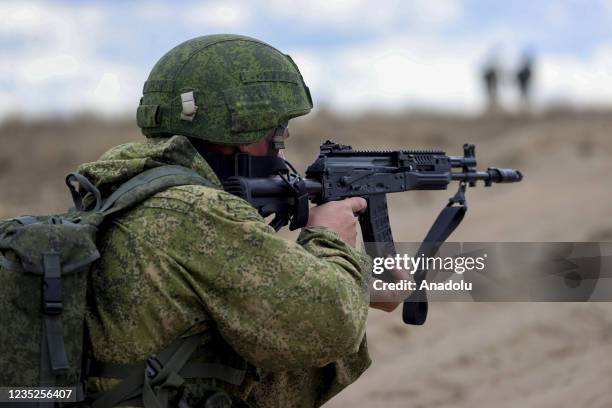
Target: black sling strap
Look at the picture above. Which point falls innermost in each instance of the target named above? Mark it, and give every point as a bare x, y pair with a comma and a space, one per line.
415, 307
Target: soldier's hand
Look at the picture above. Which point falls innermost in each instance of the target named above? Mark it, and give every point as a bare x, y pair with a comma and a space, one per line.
389, 300
339, 216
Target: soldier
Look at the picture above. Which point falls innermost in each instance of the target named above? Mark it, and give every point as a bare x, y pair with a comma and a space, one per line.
524, 79
276, 323
490, 77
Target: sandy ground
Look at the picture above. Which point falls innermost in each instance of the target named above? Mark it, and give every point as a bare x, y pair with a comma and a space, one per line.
489, 355
467, 354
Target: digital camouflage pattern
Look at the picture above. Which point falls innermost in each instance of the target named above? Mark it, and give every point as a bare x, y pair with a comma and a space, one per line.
194, 258
44, 269
21, 271
242, 89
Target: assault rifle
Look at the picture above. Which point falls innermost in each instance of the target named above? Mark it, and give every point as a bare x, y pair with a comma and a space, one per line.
341, 172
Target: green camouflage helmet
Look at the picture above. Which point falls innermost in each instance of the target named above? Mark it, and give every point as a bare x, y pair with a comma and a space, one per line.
225, 89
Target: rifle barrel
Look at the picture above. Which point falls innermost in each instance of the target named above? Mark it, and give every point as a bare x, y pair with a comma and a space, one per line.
491, 175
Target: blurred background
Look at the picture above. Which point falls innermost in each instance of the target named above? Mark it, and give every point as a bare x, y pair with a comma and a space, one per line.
530, 83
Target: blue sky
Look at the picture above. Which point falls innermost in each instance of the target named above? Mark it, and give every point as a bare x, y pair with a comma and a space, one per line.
67, 56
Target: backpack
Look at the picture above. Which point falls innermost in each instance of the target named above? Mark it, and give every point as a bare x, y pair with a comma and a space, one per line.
44, 271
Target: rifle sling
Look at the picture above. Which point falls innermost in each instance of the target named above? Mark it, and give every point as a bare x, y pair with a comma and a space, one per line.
415, 307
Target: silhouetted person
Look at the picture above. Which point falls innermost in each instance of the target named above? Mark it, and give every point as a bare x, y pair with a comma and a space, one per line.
490, 76
524, 80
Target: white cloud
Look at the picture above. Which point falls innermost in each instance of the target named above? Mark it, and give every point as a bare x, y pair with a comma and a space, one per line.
219, 14
586, 81
154, 12
59, 67
52, 26
309, 64
382, 15
395, 72
407, 61
108, 91
437, 12
203, 15
48, 67
19, 17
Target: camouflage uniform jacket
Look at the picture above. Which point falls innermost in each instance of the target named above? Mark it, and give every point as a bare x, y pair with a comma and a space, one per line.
195, 258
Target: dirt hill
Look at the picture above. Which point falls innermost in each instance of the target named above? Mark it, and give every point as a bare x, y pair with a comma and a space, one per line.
467, 355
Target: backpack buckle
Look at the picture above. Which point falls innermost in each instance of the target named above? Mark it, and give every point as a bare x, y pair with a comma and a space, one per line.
52, 285
53, 308
153, 366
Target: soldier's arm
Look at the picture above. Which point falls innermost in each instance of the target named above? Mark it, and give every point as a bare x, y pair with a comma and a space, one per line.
279, 304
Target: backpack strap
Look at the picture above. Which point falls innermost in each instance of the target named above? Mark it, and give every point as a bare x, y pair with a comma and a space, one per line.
147, 184
154, 380
151, 383
217, 371
53, 359
25, 219
135, 190
85, 186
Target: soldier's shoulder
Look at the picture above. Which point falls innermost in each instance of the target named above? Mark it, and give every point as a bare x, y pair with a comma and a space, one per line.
198, 200
191, 195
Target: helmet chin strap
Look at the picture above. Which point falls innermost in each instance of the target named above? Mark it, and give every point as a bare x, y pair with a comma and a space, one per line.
279, 135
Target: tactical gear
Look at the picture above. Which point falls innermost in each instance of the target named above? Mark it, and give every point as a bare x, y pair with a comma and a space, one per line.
211, 258
159, 381
224, 89
192, 252
44, 272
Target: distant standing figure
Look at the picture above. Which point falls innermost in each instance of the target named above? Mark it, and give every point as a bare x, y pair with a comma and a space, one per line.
524, 80
490, 76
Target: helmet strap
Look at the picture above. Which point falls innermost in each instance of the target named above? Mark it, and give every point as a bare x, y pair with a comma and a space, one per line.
279, 135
